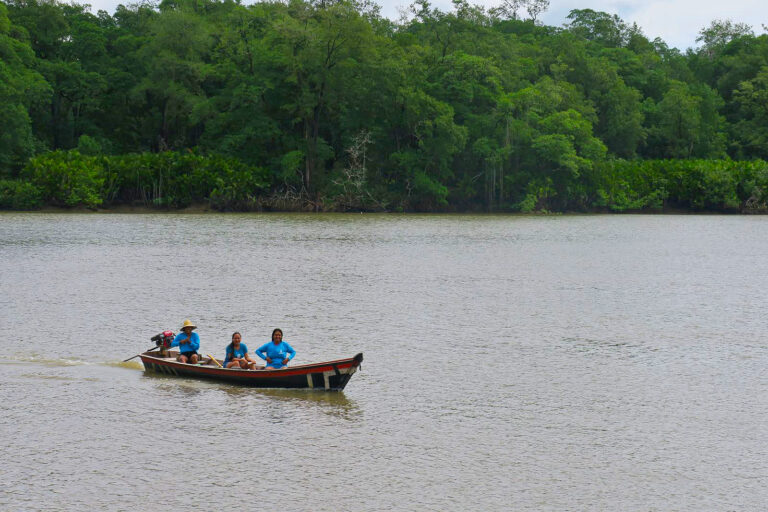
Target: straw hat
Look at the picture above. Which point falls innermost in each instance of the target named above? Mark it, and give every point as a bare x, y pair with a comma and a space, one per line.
188, 323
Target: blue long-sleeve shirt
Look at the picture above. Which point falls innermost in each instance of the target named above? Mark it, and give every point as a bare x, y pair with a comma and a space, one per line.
232, 353
192, 346
277, 353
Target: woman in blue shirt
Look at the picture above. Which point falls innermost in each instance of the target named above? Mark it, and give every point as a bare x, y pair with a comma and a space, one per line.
237, 354
277, 352
188, 343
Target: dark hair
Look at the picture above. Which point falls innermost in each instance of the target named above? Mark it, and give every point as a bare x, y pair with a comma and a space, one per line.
275, 331
231, 347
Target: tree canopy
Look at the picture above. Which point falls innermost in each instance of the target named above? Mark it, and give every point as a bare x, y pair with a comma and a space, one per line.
325, 104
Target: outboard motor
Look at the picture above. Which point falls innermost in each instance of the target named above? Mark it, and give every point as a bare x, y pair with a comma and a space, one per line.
163, 340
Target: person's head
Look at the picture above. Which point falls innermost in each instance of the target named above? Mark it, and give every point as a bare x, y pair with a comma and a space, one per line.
236, 337
277, 335
188, 326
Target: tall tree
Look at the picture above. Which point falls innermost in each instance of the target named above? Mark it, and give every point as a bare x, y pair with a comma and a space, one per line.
21, 87
719, 33
177, 58
751, 130
315, 41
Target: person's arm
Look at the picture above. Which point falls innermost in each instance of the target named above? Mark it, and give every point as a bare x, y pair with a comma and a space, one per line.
262, 351
291, 353
194, 342
179, 339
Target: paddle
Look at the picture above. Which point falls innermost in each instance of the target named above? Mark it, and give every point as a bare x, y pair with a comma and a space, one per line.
137, 355
214, 360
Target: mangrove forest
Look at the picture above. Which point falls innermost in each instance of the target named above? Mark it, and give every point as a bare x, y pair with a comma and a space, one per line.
327, 105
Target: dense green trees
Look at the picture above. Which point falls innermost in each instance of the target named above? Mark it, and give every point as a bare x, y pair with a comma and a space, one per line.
324, 104
21, 89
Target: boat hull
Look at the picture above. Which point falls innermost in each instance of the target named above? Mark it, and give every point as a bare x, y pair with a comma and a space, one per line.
326, 376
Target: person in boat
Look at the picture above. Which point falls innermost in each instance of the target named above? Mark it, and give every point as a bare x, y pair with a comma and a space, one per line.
188, 343
237, 354
277, 352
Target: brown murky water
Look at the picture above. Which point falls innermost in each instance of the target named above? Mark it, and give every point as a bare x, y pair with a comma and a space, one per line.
511, 363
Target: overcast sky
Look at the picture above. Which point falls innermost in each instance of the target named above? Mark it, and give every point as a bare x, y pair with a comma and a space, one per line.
677, 22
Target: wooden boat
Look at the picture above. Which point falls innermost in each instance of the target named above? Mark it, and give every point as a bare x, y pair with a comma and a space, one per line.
328, 376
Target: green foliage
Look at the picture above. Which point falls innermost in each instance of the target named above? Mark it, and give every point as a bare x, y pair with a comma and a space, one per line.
21, 87
242, 105
428, 192
685, 123
19, 195
538, 192
751, 130
719, 33
69, 179
177, 180
601, 27
66, 178
238, 187
715, 185
88, 146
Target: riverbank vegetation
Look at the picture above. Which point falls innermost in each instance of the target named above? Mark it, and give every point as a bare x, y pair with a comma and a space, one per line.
326, 105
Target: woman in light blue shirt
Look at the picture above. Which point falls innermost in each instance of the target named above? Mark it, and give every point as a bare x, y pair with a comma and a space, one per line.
237, 354
277, 352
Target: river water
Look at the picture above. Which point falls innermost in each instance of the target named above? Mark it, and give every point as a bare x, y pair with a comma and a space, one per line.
511, 363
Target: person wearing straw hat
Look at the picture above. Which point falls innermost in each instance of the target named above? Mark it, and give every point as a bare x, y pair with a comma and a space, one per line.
188, 343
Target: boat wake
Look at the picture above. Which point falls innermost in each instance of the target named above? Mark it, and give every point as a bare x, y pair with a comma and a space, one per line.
47, 361
130, 365
44, 361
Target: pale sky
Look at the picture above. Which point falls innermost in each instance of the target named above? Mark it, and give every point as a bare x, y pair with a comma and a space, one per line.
677, 22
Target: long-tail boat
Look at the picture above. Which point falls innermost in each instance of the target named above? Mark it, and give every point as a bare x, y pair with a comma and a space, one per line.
328, 375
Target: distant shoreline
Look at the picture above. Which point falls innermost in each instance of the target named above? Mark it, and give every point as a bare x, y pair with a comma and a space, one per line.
204, 208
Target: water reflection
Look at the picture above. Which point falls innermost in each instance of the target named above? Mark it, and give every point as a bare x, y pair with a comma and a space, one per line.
173, 386
331, 402
334, 403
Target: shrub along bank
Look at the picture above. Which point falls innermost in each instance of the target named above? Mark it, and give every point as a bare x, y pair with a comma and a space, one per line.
698, 185
176, 180
161, 180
